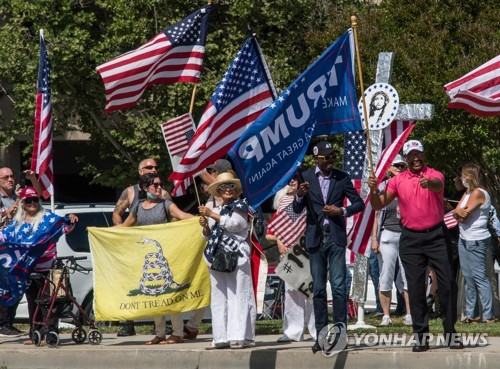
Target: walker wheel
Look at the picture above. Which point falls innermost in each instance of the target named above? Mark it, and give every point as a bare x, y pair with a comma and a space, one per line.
52, 339
79, 335
95, 337
37, 338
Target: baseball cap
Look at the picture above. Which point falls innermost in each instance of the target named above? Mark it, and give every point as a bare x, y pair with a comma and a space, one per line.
27, 192
412, 145
220, 166
324, 148
398, 160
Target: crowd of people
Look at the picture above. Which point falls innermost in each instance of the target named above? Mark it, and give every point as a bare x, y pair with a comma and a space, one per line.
410, 244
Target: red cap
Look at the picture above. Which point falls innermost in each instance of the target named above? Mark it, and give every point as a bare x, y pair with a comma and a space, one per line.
28, 192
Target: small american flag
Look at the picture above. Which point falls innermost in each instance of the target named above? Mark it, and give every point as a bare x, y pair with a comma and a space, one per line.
174, 55
240, 97
478, 91
449, 220
287, 225
41, 159
178, 132
354, 157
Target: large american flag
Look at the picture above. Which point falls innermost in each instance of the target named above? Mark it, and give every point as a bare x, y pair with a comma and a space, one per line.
41, 159
173, 55
240, 97
354, 157
360, 235
287, 225
478, 91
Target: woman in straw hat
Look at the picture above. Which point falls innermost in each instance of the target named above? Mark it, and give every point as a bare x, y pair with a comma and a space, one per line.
232, 299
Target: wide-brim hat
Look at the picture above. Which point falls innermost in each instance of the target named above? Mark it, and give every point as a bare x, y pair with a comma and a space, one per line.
224, 178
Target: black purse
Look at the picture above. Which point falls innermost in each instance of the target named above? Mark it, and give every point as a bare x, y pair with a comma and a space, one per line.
225, 258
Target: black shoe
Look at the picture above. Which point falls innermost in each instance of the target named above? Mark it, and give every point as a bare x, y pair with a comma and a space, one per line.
456, 345
126, 330
8, 330
420, 348
316, 348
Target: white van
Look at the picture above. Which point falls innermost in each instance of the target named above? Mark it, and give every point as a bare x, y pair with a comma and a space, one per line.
76, 243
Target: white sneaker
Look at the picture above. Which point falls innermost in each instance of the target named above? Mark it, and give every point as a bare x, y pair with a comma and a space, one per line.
386, 320
407, 320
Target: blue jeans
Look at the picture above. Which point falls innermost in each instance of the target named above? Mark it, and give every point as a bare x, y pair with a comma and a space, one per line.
473, 264
374, 276
328, 261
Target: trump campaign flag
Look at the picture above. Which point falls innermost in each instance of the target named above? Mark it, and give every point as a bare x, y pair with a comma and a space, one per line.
173, 55
41, 159
478, 91
240, 97
321, 101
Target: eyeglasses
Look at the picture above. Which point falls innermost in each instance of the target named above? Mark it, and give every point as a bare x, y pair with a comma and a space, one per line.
4, 178
226, 186
150, 167
326, 158
399, 166
30, 200
157, 184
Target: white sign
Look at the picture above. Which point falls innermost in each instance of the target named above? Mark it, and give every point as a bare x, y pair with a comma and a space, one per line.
382, 103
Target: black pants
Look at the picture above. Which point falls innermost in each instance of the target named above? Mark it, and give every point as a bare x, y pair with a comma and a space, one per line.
417, 251
31, 296
8, 314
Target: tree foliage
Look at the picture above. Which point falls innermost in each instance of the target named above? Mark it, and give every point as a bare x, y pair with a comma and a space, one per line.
434, 42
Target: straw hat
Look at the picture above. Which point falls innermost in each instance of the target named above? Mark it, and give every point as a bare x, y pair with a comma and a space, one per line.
224, 178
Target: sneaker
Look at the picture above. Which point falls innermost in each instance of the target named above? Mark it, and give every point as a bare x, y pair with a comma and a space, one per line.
284, 339
386, 320
407, 320
126, 330
378, 313
8, 330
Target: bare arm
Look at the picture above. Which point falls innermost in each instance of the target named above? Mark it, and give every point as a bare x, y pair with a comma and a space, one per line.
121, 205
433, 184
178, 213
375, 244
165, 195
129, 222
476, 199
378, 201
34, 181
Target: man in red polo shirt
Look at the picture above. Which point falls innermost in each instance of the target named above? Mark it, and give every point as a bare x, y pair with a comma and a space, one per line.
425, 240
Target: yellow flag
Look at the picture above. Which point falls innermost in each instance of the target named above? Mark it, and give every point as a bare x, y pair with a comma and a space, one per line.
146, 271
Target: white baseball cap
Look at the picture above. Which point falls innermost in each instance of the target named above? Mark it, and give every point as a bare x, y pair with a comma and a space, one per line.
412, 145
398, 160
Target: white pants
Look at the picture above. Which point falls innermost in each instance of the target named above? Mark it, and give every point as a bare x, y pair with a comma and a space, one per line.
233, 304
387, 257
178, 323
298, 313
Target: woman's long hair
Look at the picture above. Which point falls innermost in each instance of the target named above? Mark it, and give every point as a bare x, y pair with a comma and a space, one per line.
21, 214
472, 175
372, 105
145, 181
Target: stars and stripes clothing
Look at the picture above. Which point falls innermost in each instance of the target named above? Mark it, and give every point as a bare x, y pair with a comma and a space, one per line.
174, 55
287, 225
240, 97
478, 91
41, 159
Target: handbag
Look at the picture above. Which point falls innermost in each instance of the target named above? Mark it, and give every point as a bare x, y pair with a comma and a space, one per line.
225, 257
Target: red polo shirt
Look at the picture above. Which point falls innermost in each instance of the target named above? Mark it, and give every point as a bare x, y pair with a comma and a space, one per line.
420, 208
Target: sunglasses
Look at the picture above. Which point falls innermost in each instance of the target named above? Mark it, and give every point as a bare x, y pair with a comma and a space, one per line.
4, 178
226, 186
210, 170
399, 166
150, 167
327, 158
30, 200
157, 184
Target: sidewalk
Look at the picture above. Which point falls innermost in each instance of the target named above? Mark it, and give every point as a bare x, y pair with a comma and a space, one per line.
132, 353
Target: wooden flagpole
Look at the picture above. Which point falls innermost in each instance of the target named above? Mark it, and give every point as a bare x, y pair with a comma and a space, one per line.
191, 106
354, 24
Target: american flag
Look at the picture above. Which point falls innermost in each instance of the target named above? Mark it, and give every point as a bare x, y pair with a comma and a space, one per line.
177, 133
449, 220
41, 159
360, 234
240, 97
354, 157
478, 91
287, 225
173, 55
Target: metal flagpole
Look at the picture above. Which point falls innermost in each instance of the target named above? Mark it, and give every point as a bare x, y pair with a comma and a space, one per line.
354, 24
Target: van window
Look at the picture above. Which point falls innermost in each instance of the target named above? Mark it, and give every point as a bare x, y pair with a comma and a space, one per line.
78, 239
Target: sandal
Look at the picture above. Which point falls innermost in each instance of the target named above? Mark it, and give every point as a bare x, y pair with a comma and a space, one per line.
172, 339
190, 335
156, 341
218, 346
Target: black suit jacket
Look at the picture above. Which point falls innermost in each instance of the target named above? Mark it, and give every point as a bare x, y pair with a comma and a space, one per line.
340, 188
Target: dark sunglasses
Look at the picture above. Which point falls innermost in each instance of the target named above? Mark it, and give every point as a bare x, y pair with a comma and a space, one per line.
326, 158
150, 167
157, 184
35, 200
399, 166
226, 186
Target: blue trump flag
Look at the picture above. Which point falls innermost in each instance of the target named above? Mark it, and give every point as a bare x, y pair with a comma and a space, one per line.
321, 101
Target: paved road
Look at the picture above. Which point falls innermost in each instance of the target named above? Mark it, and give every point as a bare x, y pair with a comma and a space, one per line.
132, 353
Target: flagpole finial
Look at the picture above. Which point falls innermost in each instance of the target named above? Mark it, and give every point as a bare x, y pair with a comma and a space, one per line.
209, 2
354, 21
41, 32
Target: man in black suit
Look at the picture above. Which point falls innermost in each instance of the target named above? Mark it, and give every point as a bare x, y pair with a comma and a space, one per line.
323, 192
